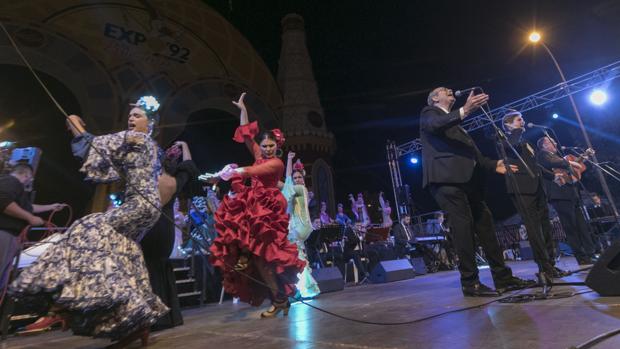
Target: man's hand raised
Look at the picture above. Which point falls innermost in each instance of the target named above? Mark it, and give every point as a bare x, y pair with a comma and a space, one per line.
474, 102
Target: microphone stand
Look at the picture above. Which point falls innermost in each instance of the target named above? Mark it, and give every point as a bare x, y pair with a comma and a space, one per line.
502, 142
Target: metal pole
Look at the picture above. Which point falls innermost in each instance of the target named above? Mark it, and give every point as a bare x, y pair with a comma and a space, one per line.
600, 175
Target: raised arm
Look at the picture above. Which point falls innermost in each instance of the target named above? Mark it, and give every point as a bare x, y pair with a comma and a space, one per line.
289, 164
187, 155
381, 201
246, 131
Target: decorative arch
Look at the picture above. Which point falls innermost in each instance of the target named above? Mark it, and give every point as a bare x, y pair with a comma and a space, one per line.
323, 183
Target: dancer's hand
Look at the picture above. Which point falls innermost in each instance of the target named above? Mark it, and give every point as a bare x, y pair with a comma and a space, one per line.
243, 116
291, 155
228, 172
76, 125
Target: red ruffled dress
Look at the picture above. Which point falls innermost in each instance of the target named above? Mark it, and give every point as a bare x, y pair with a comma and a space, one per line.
255, 220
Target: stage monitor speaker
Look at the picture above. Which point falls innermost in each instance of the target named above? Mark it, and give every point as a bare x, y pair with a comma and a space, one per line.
525, 250
329, 279
394, 270
419, 267
604, 277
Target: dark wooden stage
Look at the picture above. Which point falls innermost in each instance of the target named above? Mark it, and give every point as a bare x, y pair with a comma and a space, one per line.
559, 323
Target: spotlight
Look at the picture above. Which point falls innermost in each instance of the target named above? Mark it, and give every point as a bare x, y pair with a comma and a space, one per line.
555, 115
598, 97
413, 160
534, 37
112, 197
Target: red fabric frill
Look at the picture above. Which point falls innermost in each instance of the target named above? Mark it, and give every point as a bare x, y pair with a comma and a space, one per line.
254, 220
249, 130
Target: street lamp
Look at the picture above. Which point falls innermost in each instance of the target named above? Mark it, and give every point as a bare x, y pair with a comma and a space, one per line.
535, 38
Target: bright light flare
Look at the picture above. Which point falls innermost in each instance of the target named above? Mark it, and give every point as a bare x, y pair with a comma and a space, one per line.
555, 115
598, 97
414, 160
534, 37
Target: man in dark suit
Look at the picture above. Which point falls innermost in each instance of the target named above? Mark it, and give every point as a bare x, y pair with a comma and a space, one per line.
453, 169
564, 197
528, 196
403, 235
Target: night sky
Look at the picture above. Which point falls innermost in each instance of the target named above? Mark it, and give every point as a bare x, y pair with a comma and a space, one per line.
376, 61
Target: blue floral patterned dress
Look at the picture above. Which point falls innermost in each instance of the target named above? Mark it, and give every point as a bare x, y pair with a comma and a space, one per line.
96, 272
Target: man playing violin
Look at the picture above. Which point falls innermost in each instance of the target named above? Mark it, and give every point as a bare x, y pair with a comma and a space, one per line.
563, 195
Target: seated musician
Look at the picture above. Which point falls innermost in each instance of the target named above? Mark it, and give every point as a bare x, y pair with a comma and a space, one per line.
324, 216
403, 236
599, 210
435, 226
353, 248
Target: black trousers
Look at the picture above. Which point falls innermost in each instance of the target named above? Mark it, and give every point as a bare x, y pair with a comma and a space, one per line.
535, 214
574, 225
469, 216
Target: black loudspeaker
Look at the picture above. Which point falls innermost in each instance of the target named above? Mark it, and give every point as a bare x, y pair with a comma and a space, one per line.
525, 250
329, 279
419, 267
388, 271
604, 278
404, 194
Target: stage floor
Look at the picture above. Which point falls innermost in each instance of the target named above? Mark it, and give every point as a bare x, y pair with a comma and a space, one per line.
558, 323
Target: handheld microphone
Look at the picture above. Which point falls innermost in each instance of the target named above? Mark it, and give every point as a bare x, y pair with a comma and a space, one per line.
459, 93
531, 125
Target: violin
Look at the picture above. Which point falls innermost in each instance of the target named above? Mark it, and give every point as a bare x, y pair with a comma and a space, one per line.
563, 176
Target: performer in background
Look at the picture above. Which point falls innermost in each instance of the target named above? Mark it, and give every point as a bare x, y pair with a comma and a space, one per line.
341, 217
403, 235
597, 210
16, 212
358, 207
179, 172
529, 198
386, 211
95, 275
564, 197
325, 218
299, 226
252, 224
454, 173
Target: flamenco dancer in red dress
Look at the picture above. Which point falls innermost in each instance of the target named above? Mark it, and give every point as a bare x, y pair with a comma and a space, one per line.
252, 225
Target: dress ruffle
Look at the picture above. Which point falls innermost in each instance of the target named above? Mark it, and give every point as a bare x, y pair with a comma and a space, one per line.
254, 220
98, 276
250, 130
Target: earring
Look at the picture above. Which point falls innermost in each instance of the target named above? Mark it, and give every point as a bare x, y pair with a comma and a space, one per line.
279, 152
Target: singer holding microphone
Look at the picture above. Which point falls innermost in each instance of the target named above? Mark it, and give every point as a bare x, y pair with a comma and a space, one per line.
529, 198
564, 197
454, 171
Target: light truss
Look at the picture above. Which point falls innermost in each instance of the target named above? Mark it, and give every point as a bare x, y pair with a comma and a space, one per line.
546, 96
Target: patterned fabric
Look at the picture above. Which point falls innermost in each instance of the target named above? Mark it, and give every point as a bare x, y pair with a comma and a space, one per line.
299, 229
96, 271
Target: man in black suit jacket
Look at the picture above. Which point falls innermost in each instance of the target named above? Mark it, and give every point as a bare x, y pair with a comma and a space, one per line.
564, 197
403, 235
528, 196
454, 171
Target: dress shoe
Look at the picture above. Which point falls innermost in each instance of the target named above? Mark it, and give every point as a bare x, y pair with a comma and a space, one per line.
559, 273
586, 261
513, 283
479, 290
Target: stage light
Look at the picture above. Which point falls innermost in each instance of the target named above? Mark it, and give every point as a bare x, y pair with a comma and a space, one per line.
534, 37
555, 115
112, 197
413, 160
598, 97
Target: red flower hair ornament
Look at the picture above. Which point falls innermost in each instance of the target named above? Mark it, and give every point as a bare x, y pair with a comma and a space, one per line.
279, 137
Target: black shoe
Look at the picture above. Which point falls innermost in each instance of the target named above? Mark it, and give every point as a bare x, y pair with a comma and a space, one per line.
586, 261
557, 273
513, 283
479, 290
